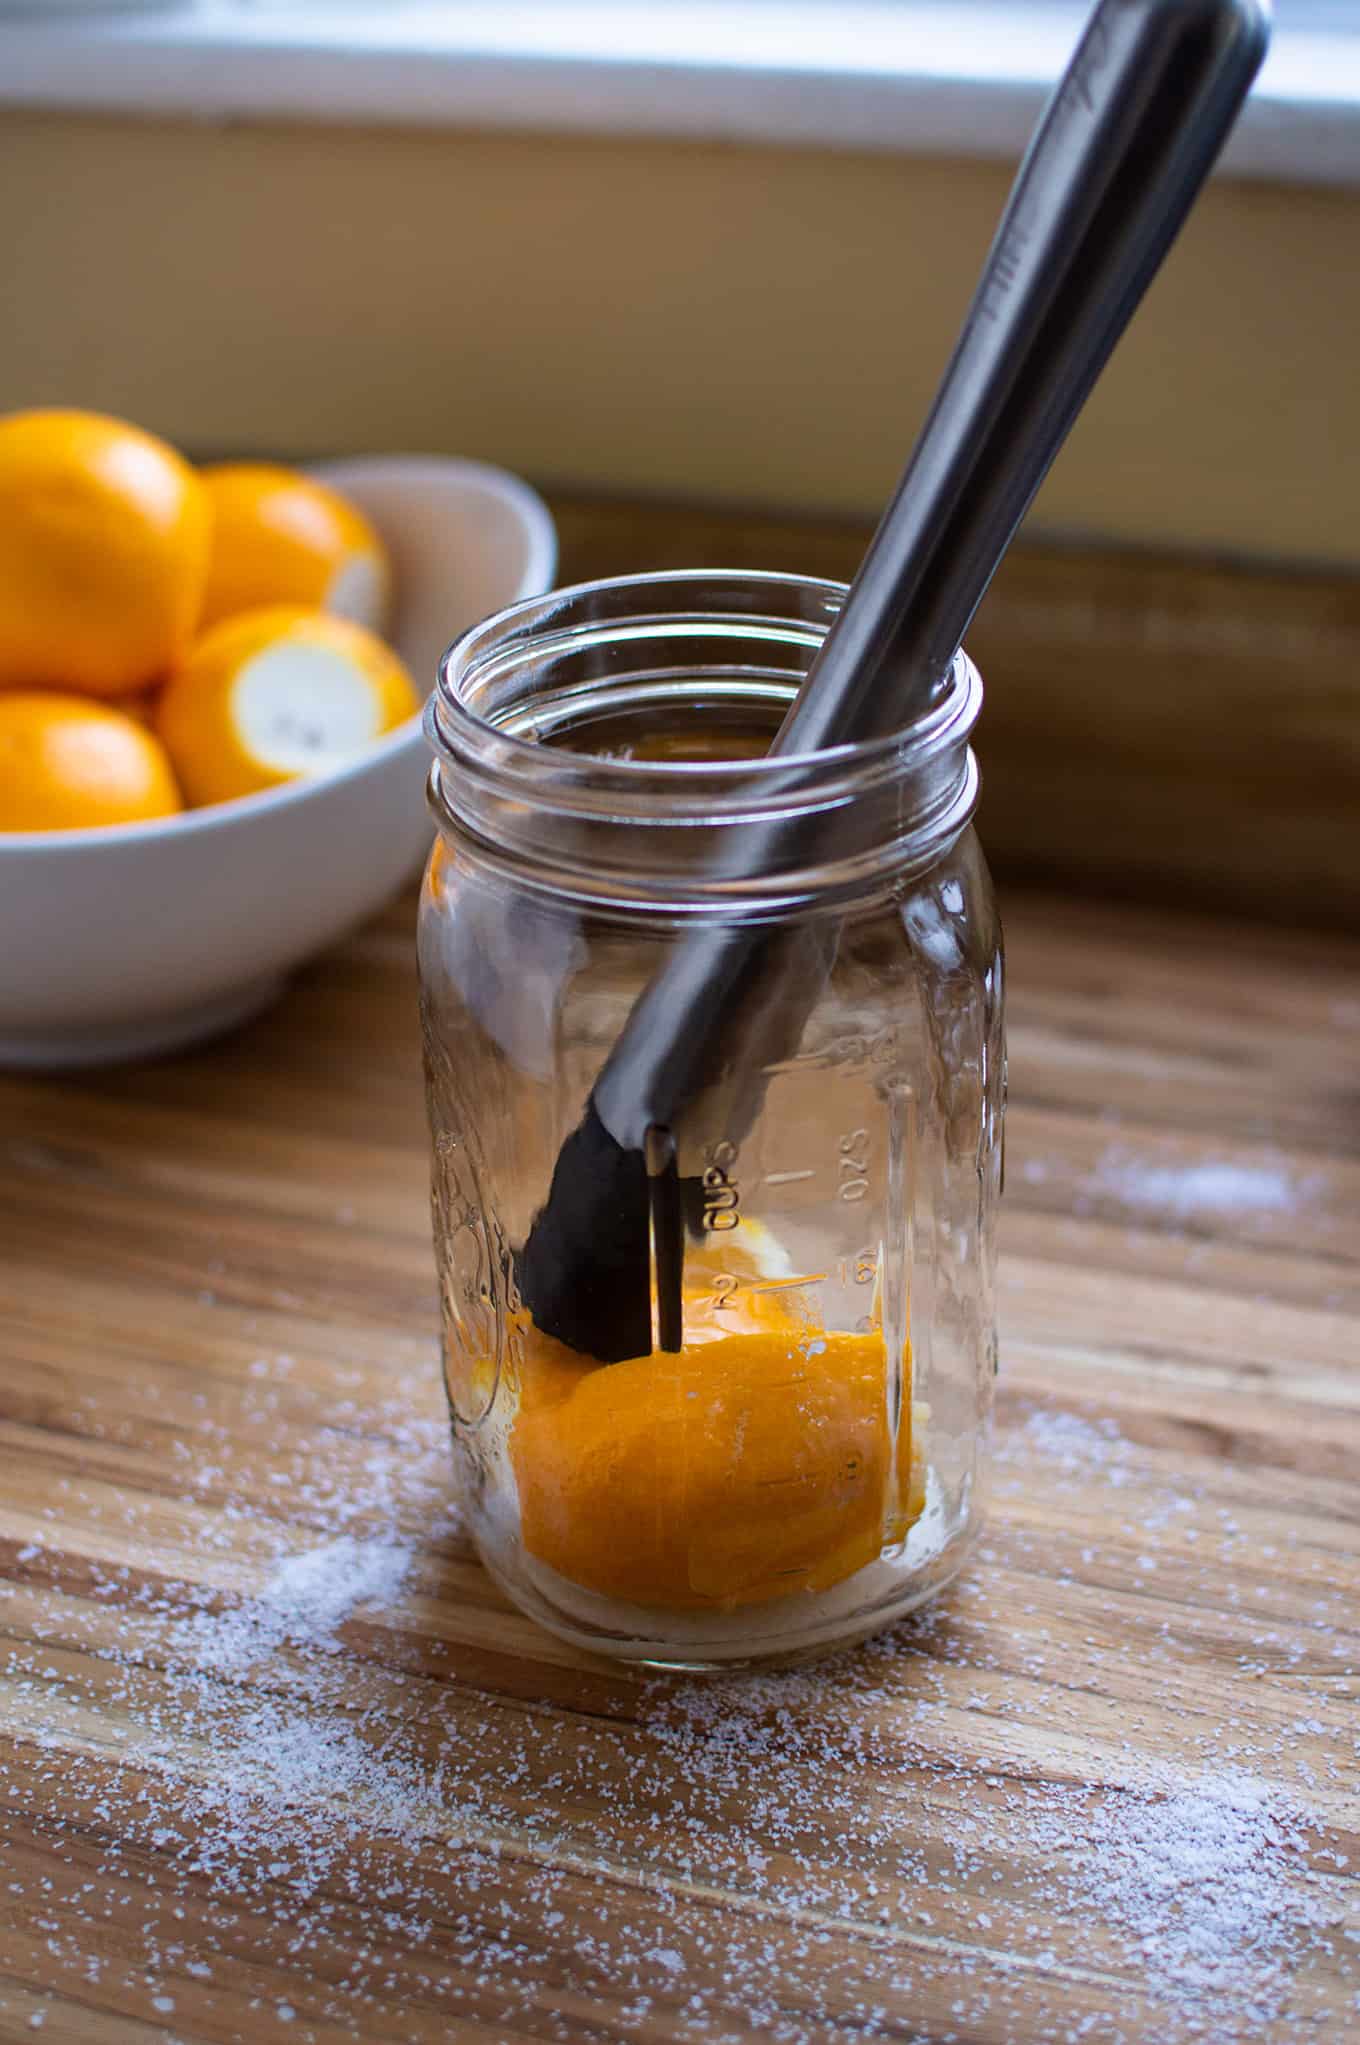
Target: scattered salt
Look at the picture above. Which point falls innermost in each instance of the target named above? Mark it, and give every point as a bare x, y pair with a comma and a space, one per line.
1214, 1187
306, 1598
272, 1752
1205, 1877
1069, 1445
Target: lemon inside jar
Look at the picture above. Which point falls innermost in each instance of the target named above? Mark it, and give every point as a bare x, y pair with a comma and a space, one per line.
758, 1461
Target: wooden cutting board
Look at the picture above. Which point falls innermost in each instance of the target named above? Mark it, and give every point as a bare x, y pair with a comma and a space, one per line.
278, 1764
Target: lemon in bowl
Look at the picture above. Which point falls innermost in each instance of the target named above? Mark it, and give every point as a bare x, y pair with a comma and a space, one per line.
68, 763
281, 537
105, 534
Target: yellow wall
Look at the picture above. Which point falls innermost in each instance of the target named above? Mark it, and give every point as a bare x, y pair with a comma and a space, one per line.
759, 326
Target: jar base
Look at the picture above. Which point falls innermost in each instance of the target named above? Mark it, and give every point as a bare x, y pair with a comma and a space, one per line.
783, 1642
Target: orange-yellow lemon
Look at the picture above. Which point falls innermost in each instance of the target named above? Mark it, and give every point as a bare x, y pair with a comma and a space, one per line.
104, 535
281, 538
68, 764
757, 1462
275, 694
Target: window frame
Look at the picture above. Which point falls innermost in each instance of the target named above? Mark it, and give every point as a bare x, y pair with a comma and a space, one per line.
935, 77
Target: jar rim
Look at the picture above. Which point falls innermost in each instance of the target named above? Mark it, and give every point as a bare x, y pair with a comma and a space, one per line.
705, 789
845, 822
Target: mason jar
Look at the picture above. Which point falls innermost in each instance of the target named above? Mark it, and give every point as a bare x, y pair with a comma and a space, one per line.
805, 1462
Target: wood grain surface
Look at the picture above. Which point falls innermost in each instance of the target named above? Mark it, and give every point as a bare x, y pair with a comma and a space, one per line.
1155, 726
1106, 1790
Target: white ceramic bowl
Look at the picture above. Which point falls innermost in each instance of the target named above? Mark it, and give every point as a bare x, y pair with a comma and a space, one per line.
121, 942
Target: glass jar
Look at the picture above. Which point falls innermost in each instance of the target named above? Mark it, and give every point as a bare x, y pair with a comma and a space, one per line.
808, 1464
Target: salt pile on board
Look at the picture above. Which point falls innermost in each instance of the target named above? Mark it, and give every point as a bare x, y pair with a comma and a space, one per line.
1204, 1876
308, 1595
923, 1824
1068, 1445
292, 1765
1210, 1188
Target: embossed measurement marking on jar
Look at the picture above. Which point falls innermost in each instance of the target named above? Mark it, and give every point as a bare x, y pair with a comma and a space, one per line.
879, 1048
853, 1165
722, 1200
862, 1271
727, 1285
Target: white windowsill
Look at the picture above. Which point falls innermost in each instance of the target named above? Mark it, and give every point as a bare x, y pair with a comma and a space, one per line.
957, 77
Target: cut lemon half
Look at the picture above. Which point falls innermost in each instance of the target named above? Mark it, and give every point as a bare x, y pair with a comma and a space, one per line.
277, 694
281, 538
